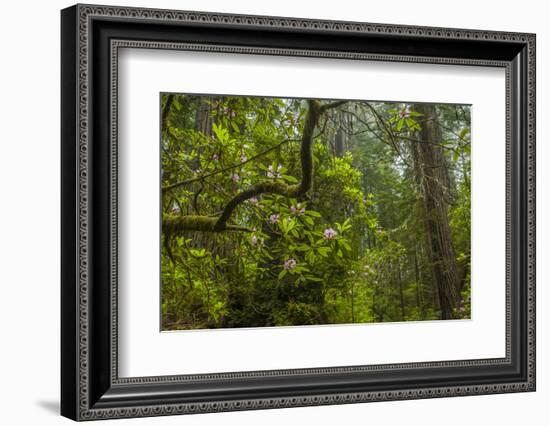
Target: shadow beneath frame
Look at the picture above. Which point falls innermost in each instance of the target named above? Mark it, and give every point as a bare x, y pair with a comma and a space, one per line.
50, 406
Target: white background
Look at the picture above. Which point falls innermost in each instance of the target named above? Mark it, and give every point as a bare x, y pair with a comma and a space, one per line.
29, 225
146, 352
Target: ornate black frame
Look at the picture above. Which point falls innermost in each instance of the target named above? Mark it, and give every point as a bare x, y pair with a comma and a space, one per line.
90, 386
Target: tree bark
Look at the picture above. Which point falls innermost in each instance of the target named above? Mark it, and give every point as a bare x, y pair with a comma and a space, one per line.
166, 111
431, 171
401, 295
203, 117
339, 142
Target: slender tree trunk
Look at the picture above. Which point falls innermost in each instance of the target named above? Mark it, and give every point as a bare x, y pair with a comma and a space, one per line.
341, 138
203, 117
432, 176
417, 279
401, 297
352, 302
339, 142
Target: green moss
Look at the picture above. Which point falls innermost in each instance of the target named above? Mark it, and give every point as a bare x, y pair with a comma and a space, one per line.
176, 225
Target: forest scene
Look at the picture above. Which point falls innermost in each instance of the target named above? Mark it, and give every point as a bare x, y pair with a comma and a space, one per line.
288, 211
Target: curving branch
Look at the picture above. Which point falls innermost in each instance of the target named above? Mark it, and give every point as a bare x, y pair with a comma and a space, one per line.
267, 187
177, 224
332, 105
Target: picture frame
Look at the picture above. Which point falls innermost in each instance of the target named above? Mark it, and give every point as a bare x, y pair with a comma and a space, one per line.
90, 384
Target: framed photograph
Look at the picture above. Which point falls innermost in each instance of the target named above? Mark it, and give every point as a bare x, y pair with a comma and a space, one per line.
264, 212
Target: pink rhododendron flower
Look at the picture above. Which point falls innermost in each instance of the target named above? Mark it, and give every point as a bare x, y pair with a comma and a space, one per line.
298, 210
330, 234
235, 177
289, 264
274, 173
274, 218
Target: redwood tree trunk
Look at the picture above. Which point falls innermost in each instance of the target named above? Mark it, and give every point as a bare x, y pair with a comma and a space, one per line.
432, 177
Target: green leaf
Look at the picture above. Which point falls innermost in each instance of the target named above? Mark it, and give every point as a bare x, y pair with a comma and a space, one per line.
410, 122
221, 133
323, 251
235, 127
310, 257
313, 213
313, 278
344, 244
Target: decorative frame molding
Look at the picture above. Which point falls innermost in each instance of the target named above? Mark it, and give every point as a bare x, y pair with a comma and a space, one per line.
91, 37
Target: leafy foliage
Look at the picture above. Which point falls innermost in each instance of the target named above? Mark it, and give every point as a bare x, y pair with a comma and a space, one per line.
353, 250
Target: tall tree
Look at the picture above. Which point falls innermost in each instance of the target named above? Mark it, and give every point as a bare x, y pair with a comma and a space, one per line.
432, 176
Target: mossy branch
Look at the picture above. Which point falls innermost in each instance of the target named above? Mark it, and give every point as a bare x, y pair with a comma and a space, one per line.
176, 225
